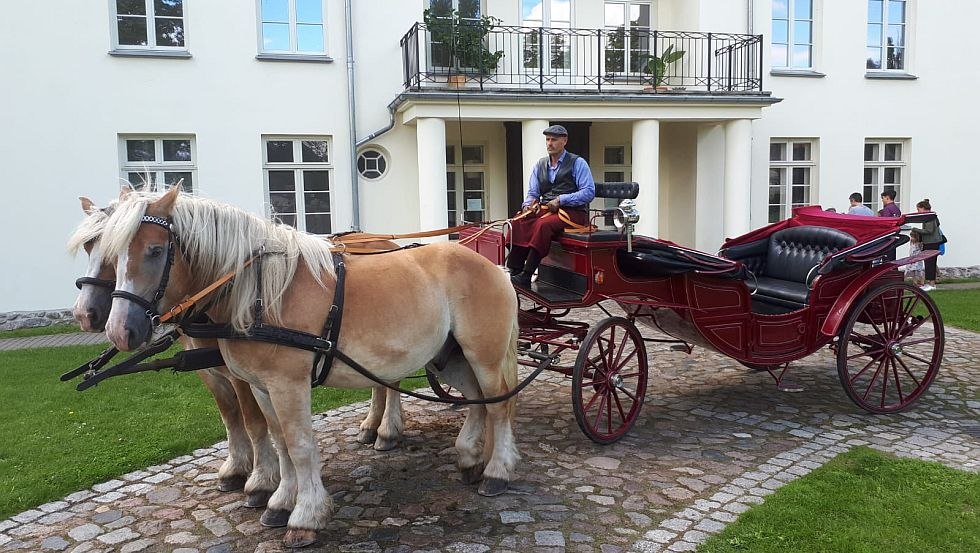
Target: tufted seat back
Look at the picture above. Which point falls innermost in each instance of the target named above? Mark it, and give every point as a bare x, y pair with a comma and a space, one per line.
793, 252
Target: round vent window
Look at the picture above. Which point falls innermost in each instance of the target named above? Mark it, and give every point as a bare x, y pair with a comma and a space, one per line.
372, 164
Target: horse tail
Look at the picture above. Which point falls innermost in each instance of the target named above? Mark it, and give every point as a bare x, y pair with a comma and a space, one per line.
510, 366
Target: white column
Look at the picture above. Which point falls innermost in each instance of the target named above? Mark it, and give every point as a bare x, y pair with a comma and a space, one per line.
646, 172
532, 146
738, 176
430, 133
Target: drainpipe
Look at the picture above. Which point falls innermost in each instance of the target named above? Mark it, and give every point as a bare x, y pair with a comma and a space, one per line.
750, 16
352, 117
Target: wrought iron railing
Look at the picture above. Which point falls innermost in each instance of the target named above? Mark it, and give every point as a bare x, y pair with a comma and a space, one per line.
538, 58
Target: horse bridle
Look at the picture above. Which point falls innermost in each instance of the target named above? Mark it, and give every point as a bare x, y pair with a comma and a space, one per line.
151, 306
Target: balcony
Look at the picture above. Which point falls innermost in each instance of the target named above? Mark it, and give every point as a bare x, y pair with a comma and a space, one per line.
536, 59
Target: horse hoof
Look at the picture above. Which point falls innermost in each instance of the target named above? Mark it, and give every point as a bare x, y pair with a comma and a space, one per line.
257, 499
472, 475
367, 436
382, 444
299, 538
232, 483
492, 486
275, 518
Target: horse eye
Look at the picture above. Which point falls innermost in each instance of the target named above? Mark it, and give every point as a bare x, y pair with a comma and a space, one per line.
156, 251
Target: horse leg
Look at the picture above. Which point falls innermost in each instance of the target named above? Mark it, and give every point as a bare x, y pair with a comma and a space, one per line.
235, 470
392, 423
497, 379
312, 505
455, 371
280, 504
265, 461
369, 426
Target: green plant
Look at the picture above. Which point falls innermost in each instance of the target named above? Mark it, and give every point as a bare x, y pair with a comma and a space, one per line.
657, 65
460, 42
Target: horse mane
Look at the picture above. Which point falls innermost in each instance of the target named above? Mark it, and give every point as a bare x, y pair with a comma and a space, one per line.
216, 239
90, 228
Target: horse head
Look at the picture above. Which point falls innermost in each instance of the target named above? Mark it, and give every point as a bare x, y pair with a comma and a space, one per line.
149, 273
91, 307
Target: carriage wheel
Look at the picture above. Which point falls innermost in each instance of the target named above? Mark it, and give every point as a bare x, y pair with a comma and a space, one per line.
445, 391
889, 350
609, 380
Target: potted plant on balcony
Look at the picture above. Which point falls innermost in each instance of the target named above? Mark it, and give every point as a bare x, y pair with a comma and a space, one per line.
657, 67
463, 44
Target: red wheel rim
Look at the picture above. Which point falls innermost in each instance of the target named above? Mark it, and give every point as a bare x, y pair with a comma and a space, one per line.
609, 381
890, 350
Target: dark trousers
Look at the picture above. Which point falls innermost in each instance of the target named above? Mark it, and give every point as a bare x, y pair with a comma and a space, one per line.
931, 262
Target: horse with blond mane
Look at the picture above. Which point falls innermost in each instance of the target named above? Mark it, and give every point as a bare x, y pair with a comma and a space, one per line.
441, 305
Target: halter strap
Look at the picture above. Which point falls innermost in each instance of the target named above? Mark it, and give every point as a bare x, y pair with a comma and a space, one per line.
93, 281
151, 305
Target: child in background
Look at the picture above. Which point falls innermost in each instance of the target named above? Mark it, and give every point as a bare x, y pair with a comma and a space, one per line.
915, 271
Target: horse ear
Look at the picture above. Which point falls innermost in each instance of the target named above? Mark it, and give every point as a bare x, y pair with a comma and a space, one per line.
88, 206
166, 202
124, 191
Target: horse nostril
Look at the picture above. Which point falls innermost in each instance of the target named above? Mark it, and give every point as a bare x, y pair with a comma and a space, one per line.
131, 338
92, 314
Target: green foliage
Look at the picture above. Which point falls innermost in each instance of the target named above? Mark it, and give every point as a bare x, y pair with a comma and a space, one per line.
863, 501
65, 328
657, 65
460, 39
57, 441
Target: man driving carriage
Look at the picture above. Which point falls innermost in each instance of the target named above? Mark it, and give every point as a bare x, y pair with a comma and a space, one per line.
560, 180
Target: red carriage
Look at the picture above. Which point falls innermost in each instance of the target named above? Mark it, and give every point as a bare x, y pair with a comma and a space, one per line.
770, 297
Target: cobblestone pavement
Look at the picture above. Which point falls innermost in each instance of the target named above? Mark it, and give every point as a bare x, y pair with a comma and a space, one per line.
53, 340
713, 438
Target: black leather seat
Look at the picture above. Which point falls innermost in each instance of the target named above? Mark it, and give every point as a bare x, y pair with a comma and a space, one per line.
791, 255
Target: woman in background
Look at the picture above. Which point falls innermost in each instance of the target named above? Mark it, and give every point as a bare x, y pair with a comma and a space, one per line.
931, 237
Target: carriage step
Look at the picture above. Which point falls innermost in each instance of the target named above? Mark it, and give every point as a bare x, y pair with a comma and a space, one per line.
681, 347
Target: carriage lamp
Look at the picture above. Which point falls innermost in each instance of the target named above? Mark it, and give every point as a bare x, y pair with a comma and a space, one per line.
625, 217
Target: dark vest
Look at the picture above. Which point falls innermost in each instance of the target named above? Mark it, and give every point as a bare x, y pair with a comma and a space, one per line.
564, 181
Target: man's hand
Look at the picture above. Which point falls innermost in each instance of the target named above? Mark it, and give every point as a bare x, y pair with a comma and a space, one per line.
553, 206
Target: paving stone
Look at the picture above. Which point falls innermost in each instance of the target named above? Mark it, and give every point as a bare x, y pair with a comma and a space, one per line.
660, 535
27, 516
54, 543
549, 538
137, 546
512, 517
84, 532
118, 536
106, 487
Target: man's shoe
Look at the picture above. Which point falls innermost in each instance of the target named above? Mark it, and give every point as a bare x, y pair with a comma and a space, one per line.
927, 287
521, 279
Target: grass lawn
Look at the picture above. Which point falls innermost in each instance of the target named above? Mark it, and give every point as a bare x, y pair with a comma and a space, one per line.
863, 501
41, 331
959, 308
56, 441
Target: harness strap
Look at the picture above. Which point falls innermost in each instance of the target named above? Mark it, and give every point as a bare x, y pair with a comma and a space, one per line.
323, 360
100, 282
191, 301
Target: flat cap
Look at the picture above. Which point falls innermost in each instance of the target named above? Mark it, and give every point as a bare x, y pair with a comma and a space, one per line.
556, 130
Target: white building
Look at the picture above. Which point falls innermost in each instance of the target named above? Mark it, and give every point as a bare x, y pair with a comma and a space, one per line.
773, 104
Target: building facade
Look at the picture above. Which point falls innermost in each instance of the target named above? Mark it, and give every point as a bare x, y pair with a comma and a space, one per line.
398, 116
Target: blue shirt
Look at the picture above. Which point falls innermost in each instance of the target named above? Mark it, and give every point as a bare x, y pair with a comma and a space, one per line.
582, 176
861, 209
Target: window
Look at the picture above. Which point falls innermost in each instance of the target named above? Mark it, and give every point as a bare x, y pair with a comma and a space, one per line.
440, 51
372, 164
615, 168
151, 160
628, 24
292, 26
791, 171
792, 34
884, 169
887, 34
148, 24
465, 165
549, 14
297, 175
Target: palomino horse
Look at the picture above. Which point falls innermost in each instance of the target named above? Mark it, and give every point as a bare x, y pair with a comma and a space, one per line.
252, 463
441, 303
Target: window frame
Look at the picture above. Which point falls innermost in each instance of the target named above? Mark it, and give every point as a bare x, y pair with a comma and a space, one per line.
298, 167
879, 186
787, 204
293, 52
628, 36
151, 46
626, 168
384, 155
158, 167
791, 20
458, 168
551, 43
883, 44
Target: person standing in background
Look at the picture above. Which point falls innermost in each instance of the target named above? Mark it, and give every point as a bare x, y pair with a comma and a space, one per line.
858, 207
931, 237
890, 208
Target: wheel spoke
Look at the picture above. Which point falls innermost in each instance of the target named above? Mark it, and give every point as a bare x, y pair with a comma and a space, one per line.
609, 413
602, 403
919, 341
622, 362
858, 338
911, 328
873, 378
588, 406
869, 352
628, 394
898, 384
917, 358
860, 372
884, 316
874, 325
619, 353
619, 406
884, 383
629, 375
912, 376
912, 304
